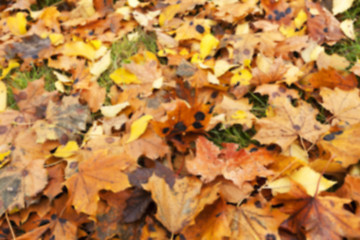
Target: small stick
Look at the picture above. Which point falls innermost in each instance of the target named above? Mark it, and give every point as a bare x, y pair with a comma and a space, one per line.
10, 227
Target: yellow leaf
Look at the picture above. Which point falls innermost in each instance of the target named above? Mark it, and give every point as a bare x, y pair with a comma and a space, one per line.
347, 26
300, 19
239, 115
2, 96
56, 38
59, 86
138, 127
221, 67
17, 24
79, 48
62, 78
243, 77
309, 179
123, 76
100, 66
207, 44
96, 44
66, 151
340, 6
168, 13
12, 64
4, 158
133, 3
113, 110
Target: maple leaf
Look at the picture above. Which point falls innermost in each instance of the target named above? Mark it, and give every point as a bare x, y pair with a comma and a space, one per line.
237, 166
20, 179
34, 99
343, 145
211, 223
236, 112
288, 123
344, 105
178, 205
317, 217
102, 171
64, 120
254, 220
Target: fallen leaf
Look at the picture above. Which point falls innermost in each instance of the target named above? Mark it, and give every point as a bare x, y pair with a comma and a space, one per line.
344, 105
288, 123
101, 171
177, 206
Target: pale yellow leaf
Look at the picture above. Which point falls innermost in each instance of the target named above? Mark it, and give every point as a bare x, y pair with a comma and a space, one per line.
2, 96
347, 26
113, 110
138, 127
340, 6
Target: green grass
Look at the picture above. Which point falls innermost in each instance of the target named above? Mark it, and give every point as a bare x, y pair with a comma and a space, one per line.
20, 80
348, 48
122, 50
40, 4
233, 134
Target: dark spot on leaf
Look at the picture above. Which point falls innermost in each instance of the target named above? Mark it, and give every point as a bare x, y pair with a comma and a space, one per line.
200, 29
258, 204
218, 215
214, 94
76, 80
326, 30
317, 127
52, 237
246, 51
53, 217
91, 33
73, 165
6, 230
270, 236
165, 130
338, 132
276, 12
62, 220
109, 140
43, 222
296, 127
182, 237
277, 18
151, 228
191, 23
329, 137
199, 116
177, 137
211, 109
63, 139
271, 147
180, 126
254, 149
35, 56
21, 96
3, 129
197, 125
270, 17
282, 14
288, 10
24, 173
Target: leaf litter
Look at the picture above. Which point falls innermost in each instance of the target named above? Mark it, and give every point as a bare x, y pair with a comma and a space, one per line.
178, 120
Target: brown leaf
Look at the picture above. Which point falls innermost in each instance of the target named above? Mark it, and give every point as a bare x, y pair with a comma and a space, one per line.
343, 145
178, 206
64, 120
254, 220
288, 123
102, 171
317, 217
237, 166
344, 105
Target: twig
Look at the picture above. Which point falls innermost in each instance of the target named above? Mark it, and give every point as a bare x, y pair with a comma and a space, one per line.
10, 227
